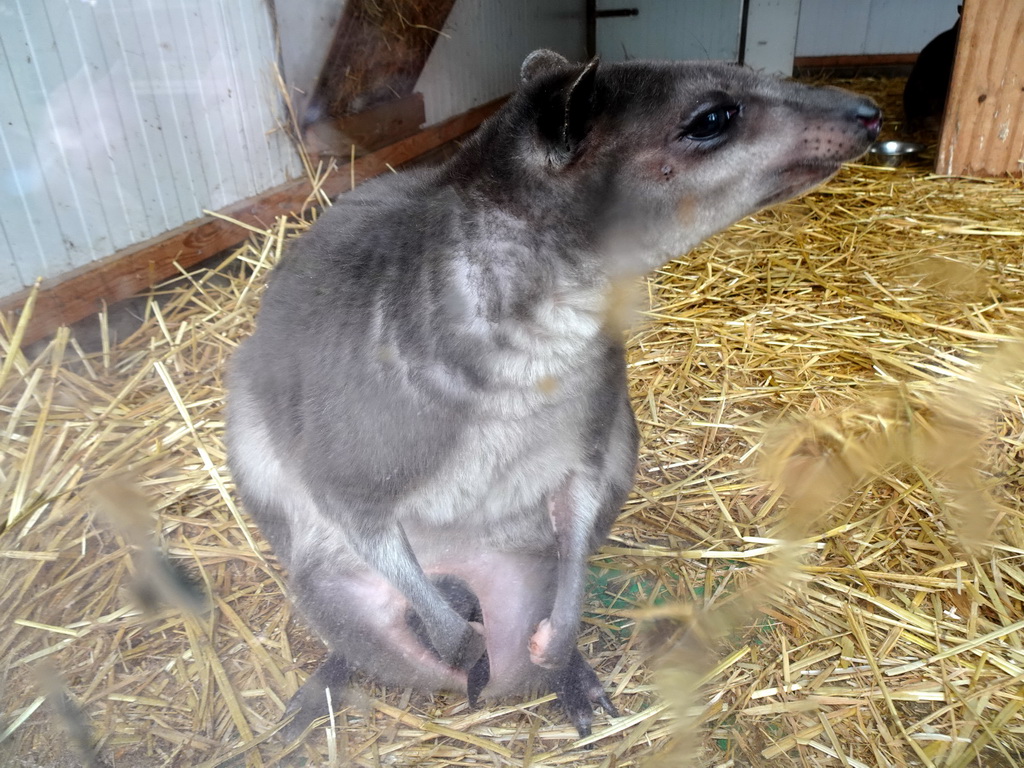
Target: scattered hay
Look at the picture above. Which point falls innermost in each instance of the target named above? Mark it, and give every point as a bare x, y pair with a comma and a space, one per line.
825, 539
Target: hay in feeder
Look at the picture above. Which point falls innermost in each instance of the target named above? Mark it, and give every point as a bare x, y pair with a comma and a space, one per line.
820, 566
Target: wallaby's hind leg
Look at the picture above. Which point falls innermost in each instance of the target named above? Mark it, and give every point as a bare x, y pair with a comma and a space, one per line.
311, 700
390, 640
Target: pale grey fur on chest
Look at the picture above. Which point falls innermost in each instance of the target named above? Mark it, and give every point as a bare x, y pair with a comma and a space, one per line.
512, 365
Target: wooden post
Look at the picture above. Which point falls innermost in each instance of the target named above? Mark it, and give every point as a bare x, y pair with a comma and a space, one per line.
983, 128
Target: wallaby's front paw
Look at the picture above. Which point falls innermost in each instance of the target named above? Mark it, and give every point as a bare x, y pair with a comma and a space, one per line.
458, 640
464, 649
550, 648
474, 646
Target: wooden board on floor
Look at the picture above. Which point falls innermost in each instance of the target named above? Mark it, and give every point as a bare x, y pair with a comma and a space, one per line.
983, 128
74, 295
385, 124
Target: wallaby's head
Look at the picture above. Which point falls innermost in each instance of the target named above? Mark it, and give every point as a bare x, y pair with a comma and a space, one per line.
657, 156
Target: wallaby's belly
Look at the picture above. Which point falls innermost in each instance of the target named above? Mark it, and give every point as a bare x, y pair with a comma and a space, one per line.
498, 478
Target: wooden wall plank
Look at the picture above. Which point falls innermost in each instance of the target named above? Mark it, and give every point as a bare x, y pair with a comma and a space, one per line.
26, 218
80, 293
770, 41
668, 29
855, 60
55, 134
983, 128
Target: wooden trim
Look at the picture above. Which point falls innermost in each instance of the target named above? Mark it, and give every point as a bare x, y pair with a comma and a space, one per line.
75, 295
855, 60
983, 128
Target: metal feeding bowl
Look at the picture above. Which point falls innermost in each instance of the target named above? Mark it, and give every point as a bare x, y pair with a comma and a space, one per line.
893, 153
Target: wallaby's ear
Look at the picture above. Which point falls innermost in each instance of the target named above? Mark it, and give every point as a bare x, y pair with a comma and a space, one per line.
542, 62
579, 107
565, 116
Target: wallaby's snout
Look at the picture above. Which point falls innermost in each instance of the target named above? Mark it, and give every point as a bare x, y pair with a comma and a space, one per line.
658, 156
870, 116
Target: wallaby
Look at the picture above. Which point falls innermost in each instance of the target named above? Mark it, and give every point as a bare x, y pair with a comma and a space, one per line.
430, 423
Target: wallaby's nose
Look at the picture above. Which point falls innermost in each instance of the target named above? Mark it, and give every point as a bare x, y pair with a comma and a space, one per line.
870, 116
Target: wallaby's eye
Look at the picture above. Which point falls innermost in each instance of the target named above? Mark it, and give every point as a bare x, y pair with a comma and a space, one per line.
709, 124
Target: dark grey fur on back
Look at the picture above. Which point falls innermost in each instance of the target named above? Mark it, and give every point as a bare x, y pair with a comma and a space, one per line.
434, 387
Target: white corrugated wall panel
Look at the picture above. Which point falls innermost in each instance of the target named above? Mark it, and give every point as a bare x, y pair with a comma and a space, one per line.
855, 27
27, 217
483, 43
126, 118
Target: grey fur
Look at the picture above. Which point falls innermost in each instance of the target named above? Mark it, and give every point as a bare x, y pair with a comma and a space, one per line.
434, 387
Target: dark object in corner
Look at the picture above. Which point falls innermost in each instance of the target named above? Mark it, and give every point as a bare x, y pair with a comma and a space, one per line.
924, 96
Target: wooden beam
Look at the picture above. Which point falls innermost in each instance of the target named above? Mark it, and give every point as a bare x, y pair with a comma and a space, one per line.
378, 53
77, 294
983, 128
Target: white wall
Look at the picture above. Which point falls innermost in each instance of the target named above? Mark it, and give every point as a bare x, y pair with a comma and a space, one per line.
771, 35
670, 29
123, 119
483, 43
852, 27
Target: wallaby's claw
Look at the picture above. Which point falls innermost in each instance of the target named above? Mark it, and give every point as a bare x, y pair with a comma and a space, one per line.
310, 701
476, 679
578, 690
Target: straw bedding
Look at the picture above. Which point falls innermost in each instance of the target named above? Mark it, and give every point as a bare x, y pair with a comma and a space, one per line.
820, 566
